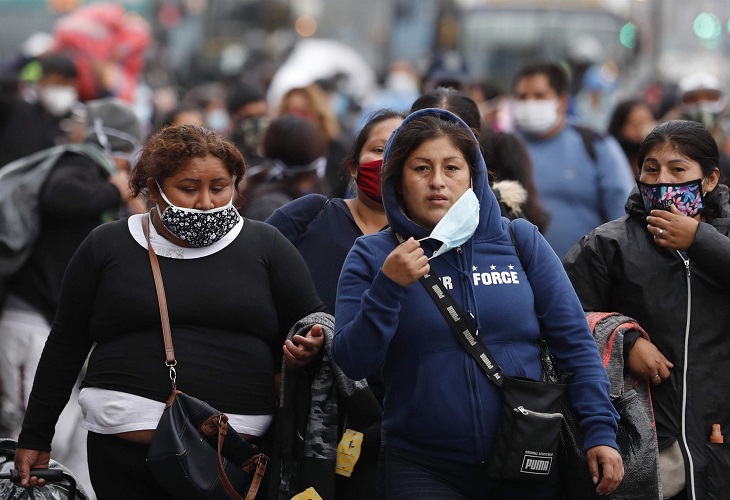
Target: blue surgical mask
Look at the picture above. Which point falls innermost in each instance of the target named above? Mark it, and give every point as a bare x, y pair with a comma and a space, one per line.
217, 120
457, 225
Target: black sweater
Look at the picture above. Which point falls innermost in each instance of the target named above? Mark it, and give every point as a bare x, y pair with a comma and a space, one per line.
229, 313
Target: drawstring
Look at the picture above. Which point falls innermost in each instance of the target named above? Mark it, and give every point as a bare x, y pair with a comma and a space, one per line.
475, 313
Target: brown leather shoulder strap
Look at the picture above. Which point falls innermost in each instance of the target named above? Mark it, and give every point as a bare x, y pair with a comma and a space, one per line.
166, 333
259, 461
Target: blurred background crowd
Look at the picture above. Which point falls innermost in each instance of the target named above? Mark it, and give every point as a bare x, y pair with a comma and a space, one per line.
291, 83
159, 55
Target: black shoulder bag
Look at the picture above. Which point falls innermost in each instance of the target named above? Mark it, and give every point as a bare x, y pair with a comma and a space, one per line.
530, 423
194, 453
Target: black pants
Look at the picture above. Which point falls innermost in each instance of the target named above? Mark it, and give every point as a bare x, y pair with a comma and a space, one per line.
407, 475
119, 470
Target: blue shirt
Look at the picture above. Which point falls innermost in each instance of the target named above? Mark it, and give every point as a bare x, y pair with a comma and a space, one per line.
579, 193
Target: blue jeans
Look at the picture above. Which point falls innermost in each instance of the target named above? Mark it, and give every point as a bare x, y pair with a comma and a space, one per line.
408, 475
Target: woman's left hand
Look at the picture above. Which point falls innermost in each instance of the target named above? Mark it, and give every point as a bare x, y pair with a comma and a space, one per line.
672, 229
608, 462
300, 351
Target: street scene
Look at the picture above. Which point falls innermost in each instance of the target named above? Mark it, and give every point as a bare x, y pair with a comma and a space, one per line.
383, 249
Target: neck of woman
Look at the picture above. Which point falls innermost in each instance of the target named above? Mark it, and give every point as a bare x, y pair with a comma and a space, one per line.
369, 215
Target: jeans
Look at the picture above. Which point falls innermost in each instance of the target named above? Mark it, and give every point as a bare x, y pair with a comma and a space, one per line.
408, 475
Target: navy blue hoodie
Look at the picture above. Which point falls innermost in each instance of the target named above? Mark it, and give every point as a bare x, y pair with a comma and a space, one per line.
437, 401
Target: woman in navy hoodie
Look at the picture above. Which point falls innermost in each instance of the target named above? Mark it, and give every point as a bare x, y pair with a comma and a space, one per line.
441, 414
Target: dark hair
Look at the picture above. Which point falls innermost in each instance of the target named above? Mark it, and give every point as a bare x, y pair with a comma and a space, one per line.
241, 94
419, 130
353, 156
171, 149
507, 159
294, 141
168, 118
489, 89
452, 100
555, 73
58, 64
693, 140
621, 113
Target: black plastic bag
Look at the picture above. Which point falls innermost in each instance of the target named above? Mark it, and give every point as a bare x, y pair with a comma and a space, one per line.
636, 441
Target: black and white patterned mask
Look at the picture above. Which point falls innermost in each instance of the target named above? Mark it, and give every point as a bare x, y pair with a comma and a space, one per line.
198, 228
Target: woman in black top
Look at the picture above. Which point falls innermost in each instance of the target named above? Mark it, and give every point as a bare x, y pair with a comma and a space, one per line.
234, 289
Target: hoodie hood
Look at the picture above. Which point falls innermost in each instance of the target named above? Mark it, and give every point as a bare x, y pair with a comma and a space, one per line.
489, 213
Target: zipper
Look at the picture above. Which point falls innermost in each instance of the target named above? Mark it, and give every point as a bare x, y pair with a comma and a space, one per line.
684, 377
474, 371
526, 412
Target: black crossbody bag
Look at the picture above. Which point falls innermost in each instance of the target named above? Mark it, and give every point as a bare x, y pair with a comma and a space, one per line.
530, 421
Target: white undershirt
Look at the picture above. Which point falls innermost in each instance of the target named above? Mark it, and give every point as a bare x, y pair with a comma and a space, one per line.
111, 412
166, 248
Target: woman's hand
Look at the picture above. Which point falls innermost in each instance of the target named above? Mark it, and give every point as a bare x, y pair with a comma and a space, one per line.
25, 460
648, 363
407, 263
672, 229
300, 351
605, 462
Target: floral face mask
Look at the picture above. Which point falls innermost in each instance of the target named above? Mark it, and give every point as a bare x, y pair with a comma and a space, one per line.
199, 228
686, 196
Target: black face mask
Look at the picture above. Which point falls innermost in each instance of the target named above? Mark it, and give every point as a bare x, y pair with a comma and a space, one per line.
248, 134
631, 148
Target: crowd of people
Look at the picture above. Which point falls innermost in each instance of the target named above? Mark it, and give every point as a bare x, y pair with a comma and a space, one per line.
290, 239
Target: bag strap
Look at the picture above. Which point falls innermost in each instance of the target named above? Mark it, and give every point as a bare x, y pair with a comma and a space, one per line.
260, 460
170, 362
549, 371
458, 321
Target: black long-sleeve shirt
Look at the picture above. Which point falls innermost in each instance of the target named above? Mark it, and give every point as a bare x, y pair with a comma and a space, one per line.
72, 202
26, 128
229, 313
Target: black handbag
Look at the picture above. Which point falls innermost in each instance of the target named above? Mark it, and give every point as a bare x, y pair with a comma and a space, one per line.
194, 453
530, 423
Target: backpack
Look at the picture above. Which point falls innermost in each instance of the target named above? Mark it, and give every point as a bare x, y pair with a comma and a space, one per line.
589, 137
21, 182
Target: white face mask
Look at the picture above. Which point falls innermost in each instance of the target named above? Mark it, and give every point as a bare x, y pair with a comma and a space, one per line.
458, 223
58, 99
536, 116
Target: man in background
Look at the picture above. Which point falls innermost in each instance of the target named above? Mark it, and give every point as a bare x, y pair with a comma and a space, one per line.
32, 122
583, 178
